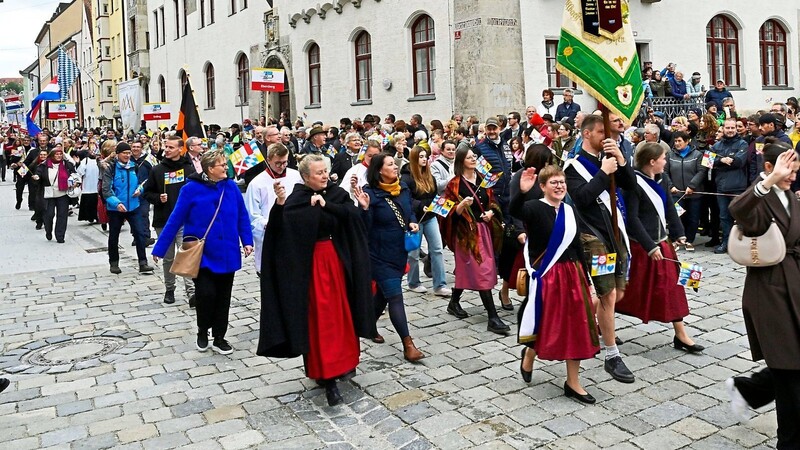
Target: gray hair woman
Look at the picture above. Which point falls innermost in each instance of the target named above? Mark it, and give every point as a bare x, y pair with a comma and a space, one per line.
211, 203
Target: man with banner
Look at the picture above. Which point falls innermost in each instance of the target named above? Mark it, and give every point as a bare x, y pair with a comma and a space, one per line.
596, 49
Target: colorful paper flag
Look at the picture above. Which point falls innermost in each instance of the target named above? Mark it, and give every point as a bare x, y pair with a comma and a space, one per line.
177, 176
604, 264
23, 170
708, 159
490, 180
690, 275
247, 156
483, 167
440, 206
679, 209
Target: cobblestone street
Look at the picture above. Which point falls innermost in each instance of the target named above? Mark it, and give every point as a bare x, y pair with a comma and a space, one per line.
98, 361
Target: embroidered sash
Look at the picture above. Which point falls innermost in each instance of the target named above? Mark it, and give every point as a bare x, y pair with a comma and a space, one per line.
564, 231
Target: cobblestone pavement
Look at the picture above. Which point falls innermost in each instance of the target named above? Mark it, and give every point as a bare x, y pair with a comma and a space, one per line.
98, 361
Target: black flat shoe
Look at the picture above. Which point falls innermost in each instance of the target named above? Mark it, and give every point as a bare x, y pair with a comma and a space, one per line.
583, 398
680, 345
618, 370
378, 339
333, 395
495, 325
507, 306
618, 341
526, 374
455, 309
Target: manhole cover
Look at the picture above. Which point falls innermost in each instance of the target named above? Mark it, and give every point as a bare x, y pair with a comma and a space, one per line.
74, 350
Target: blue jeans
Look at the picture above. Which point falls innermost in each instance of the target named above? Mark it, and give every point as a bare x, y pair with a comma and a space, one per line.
691, 218
429, 229
725, 218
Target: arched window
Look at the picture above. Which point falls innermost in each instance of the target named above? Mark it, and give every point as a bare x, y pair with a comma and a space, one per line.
722, 45
162, 88
423, 47
363, 66
210, 91
314, 74
243, 77
184, 79
772, 43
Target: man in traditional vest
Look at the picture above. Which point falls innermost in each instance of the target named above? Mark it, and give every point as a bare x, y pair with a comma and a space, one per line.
588, 184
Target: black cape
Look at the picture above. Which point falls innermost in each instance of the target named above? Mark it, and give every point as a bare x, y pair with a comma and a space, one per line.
286, 270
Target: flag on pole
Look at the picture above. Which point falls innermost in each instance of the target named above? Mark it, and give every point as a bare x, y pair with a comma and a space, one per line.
67, 73
49, 93
596, 50
189, 123
13, 103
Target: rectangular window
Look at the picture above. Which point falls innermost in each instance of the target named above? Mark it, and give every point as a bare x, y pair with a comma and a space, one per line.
202, 13
232, 10
114, 46
155, 27
163, 27
109, 92
105, 8
244, 4
132, 34
555, 79
185, 19
108, 51
177, 19
210, 12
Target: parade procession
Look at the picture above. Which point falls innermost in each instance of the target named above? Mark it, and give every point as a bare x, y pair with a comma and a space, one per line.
418, 211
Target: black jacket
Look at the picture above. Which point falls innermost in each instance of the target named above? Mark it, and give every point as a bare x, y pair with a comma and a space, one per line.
685, 172
585, 196
644, 225
44, 179
731, 179
342, 162
155, 186
419, 200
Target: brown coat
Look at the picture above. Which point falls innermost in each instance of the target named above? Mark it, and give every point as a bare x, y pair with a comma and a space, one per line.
771, 297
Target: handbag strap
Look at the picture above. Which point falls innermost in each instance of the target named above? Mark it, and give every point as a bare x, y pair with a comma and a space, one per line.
215, 213
397, 212
474, 195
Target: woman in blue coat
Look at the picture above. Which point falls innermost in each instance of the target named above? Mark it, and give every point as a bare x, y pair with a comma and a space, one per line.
388, 217
194, 211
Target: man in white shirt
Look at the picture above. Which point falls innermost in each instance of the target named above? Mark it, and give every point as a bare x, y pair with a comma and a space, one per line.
260, 195
359, 171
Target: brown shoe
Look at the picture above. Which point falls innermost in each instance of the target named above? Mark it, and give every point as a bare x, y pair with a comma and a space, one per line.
378, 339
410, 352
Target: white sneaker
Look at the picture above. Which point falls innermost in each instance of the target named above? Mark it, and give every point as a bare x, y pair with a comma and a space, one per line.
738, 403
418, 289
443, 291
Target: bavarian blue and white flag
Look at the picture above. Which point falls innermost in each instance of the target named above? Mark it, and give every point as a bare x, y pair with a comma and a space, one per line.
67, 73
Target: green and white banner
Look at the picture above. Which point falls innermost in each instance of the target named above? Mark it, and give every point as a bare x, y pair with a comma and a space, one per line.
596, 50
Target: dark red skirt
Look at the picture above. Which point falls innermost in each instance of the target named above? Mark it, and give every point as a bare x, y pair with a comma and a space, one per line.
653, 292
333, 345
102, 212
568, 329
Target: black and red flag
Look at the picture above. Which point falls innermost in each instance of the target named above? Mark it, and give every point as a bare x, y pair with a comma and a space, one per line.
189, 123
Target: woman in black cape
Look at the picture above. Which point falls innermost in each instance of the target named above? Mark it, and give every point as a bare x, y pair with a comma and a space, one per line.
316, 297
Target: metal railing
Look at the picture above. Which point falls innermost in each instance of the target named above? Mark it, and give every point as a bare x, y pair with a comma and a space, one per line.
673, 108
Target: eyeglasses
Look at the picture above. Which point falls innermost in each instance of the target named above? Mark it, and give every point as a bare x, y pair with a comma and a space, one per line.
473, 157
556, 182
220, 165
280, 163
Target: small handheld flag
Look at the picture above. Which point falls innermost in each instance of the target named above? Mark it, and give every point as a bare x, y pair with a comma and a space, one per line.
708, 159
690, 275
440, 206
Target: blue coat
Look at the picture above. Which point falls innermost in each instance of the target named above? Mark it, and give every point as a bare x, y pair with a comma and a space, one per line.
119, 185
494, 155
731, 179
196, 204
387, 251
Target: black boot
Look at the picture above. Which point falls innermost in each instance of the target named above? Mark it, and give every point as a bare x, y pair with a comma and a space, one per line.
454, 308
495, 325
332, 393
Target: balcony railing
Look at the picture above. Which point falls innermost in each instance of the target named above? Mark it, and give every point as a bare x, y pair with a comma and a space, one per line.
673, 108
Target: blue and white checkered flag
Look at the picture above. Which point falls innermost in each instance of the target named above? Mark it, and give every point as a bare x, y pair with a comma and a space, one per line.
67, 73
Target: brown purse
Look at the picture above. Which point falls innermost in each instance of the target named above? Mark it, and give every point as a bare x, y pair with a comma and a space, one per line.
190, 254
522, 278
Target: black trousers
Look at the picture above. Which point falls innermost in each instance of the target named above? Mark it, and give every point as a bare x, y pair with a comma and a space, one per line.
115, 221
20, 185
213, 294
57, 208
3, 165
782, 386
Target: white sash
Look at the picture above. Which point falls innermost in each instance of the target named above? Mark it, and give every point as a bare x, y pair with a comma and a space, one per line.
604, 197
529, 315
655, 199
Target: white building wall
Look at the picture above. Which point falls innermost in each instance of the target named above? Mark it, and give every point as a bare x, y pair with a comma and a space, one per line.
388, 22
218, 43
676, 32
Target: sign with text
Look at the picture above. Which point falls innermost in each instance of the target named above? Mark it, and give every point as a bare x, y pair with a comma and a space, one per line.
61, 110
156, 111
263, 79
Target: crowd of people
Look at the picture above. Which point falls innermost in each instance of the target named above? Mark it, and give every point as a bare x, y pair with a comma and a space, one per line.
331, 214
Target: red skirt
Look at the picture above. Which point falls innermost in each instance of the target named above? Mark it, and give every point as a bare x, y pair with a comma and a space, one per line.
102, 212
474, 275
653, 292
568, 329
333, 346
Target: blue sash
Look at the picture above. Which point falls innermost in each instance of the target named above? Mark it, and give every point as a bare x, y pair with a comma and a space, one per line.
593, 169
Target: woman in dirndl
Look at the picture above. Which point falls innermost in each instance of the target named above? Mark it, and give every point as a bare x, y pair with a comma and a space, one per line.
316, 297
653, 292
556, 320
473, 230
